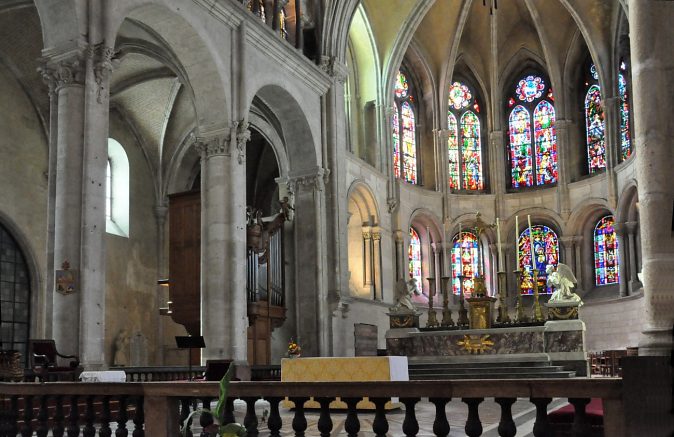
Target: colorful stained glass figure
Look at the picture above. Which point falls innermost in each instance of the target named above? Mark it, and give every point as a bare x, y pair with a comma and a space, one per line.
594, 122
471, 152
409, 144
551, 96
530, 88
465, 258
453, 151
401, 87
511, 102
520, 147
546, 252
593, 72
546, 143
414, 257
459, 96
606, 252
396, 142
625, 137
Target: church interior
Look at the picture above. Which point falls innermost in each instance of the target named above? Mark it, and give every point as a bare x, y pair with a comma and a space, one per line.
266, 173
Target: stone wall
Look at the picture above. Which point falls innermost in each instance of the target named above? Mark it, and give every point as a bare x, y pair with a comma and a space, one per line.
613, 324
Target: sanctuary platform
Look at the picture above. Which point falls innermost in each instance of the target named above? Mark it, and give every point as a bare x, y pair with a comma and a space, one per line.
562, 343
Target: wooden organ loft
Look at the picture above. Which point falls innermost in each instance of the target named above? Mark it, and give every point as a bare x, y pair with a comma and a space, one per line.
265, 289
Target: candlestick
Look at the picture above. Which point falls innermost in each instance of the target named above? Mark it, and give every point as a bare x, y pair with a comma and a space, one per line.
498, 240
432, 321
446, 312
520, 317
517, 237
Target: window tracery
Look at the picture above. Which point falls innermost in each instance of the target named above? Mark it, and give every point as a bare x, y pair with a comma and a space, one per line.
546, 252
464, 143
606, 252
594, 123
404, 132
465, 258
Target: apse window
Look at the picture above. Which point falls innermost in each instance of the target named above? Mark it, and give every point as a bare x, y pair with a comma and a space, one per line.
117, 190
403, 126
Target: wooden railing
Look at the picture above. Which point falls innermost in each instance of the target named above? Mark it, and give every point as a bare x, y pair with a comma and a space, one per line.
156, 409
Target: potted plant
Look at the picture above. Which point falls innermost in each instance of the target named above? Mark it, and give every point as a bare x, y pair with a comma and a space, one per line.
230, 429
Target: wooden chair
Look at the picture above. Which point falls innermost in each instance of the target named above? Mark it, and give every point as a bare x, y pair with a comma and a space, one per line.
44, 362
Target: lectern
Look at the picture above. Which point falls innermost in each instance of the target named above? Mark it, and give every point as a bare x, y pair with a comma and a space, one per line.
190, 342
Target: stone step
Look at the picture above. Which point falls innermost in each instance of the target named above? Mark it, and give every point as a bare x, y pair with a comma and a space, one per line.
491, 364
446, 376
482, 370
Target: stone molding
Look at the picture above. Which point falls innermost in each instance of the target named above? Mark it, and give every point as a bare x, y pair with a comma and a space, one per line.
316, 180
334, 68
631, 227
103, 60
392, 204
225, 142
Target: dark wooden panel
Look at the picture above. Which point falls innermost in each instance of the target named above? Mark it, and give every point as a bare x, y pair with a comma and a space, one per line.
185, 259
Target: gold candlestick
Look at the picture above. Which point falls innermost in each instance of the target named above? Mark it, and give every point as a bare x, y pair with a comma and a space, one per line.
503, 316
520, 317
432, 318
463, 312
537, 312
446, 312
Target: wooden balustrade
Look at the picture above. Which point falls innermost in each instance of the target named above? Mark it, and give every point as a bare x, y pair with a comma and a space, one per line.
156, 409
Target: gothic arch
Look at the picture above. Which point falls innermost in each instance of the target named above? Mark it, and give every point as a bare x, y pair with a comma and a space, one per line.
584, 213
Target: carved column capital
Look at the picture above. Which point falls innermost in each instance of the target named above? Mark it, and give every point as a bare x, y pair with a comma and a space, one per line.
103, 60
392, 204
63, 71
242, 136
577, 240
568, 241
315, 180
213, 145
334, 68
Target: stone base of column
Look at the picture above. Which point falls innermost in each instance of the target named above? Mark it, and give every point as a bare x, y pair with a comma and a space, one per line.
647, 395
656, 342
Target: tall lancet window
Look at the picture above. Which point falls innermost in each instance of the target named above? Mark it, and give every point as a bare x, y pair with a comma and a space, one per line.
465, 257
545, 252
404, 132
625, 125
605, 252
464, 143
533, 139
594, 123
414, 257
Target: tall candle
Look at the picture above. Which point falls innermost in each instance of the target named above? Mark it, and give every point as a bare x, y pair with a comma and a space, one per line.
498, 241
517, 246
531, 244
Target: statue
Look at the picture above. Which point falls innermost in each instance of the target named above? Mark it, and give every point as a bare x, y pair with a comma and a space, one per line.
562, 280
404, 292
121, 357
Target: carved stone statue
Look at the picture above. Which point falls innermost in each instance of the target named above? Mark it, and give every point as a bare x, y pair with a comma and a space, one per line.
562, 280
121, 357
404, 292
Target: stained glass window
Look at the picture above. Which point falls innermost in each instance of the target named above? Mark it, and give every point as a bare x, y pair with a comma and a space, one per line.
594, 123
546, 143
532, 162
520, 147
625, 136
464, 143
404, 132
414, 256
465, 255
453, 151
606, 252
546, 252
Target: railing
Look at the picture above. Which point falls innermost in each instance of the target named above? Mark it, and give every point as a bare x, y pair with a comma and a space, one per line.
162, 373
156, 409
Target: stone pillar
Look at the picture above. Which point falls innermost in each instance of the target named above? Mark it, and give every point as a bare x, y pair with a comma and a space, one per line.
367, 257
634, 282
651, 42
224, 318
160, 215
620, 229
578, 271
612, 143
400, 260
377, 267
563, 177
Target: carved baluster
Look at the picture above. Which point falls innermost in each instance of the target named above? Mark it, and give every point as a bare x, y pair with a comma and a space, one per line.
139, 418
250, 420
580, 426
410, 424
274, 421
541, 426
440, 424
506, 426
325, 421
105, 430
229, 412
299, 421
43, 417
351, 424
59, 418
89, 418
9, 425
473, 424
122, 418
184, 414
26, 430
206, 419
73, 428
380, 424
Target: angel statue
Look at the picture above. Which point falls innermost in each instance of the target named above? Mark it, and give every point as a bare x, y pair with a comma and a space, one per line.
562, 280
404, 292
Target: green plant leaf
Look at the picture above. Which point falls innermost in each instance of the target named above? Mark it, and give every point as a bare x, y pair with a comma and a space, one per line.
186, 423
222, 400
233, 429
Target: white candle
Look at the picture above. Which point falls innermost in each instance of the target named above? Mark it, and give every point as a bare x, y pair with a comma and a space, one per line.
517, 246
498, 241
531, 244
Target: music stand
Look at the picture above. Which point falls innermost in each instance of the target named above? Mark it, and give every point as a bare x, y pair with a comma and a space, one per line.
190, 342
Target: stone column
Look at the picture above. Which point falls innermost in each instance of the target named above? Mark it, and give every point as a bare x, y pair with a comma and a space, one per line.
400, 260
563, 179
569, 252
634, 282
651, 42
224, 318
367, 257
377, 267
612, 144
577, 245
160, 215
620, 229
